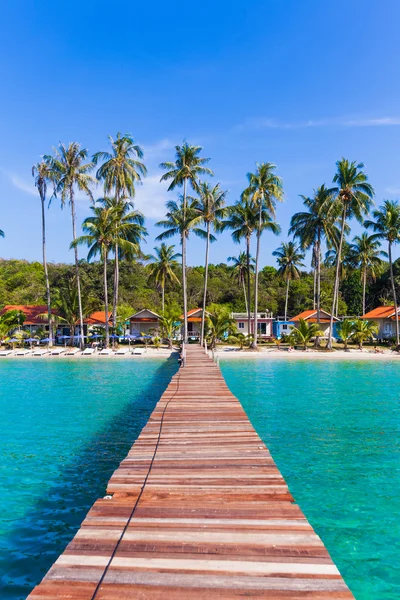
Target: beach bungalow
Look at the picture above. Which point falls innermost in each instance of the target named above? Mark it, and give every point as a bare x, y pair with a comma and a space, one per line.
33, 320
280, 328
194, 317
264, 324
311, 316
385, 317
145, 321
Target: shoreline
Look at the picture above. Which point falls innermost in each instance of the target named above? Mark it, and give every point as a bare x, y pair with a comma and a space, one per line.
274, 354
162, 353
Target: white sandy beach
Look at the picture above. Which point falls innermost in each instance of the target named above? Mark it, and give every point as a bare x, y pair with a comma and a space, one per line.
274, 354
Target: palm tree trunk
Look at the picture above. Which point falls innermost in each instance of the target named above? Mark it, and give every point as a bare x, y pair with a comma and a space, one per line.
163, 297
315, 287
287, 297
248, 286
364, 287
106, 300
318, 276
184, 288
245, 295
205, 284
116, 286
46, 272
78, 281
254, 344
394, 293
336, 287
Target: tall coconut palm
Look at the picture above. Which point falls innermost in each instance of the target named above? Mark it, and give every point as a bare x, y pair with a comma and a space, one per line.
211, 206
240, 273
264, 190
386, 225
187, 168
43, 175
243, 219
70, 171
163, 268
354, 196
314, 226
367, 256
121, 170
289, 259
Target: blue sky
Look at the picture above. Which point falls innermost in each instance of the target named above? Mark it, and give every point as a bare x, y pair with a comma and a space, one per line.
296, 83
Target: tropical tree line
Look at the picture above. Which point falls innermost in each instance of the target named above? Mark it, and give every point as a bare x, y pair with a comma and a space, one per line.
115, 229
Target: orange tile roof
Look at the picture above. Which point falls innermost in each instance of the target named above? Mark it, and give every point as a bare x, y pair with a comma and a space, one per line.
306, 314
380, 312
97, 318
31, 312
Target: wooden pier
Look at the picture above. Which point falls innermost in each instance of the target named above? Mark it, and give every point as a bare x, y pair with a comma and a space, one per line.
198, 509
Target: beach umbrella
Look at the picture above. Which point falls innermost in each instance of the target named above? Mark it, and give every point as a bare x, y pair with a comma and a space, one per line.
95, 335
65, 338
45, 341
31, 341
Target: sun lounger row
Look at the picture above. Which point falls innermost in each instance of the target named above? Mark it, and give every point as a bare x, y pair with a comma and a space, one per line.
70, 352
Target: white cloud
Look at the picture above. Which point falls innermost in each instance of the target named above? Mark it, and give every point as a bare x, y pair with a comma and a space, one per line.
158, 149
395, 191
254, 124
150, 197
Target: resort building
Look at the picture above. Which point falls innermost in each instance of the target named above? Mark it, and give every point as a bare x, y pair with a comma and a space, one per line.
385, 317
194, 317
264, 324
311, 316
144, 322
95, 319
280, 328
33, 316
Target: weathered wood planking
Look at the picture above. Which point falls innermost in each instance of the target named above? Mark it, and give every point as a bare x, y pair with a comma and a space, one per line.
198, 510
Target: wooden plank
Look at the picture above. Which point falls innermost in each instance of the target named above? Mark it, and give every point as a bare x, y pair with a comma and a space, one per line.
198, 509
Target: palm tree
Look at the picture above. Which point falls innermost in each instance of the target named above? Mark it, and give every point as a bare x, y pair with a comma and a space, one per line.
120, 172
219, 322
345, 330
211, 206
239, 272
311, 227
364, 330
68, 308
289, 260
264, 190
242, 219
187, 168
43, 175
180, 221
163, 267
354, 197
386, 225
169, 327
129, 226
70, 172
305, 332
100, 236
366, 256
1, 233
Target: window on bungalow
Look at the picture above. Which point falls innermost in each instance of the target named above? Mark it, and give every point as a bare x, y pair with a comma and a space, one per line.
240, 325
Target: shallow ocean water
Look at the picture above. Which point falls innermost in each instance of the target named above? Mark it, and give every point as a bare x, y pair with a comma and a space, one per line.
333, 429
65, 426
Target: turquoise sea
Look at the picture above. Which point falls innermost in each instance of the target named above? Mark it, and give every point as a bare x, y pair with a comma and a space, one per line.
65, 426
333, 429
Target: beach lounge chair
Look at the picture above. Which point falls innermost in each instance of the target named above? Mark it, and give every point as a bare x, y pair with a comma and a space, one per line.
58, 351
122, 351
22, 352
41, 352
138, 351
72, 351
88, 352
106, 352
6, 352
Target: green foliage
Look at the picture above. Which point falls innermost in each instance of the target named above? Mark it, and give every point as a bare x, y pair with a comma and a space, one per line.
364, 330
304, 333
